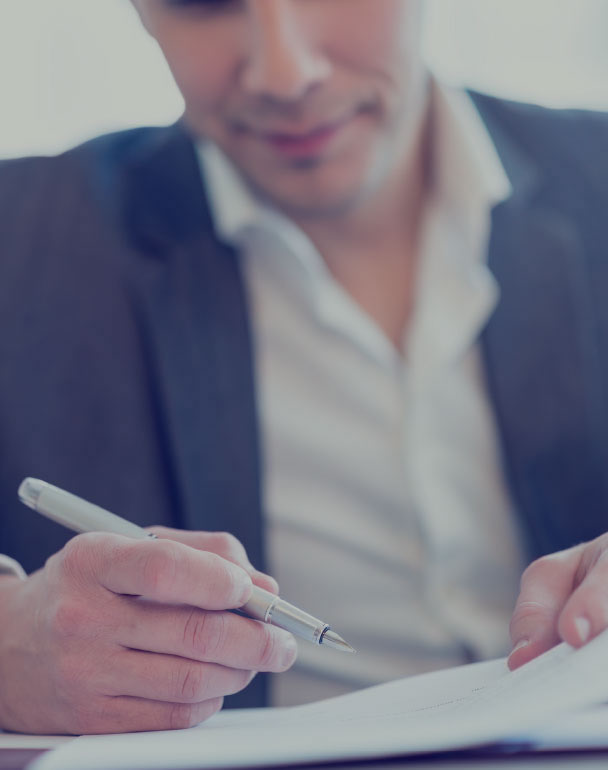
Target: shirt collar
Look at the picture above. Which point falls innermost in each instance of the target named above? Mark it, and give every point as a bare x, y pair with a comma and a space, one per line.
468, 170
455, 292
238, 216
233, 207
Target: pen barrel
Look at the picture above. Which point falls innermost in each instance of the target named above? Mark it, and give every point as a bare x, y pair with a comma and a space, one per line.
81, 516
270, 608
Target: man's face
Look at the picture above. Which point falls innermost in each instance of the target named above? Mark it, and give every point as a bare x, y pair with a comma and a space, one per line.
314, 101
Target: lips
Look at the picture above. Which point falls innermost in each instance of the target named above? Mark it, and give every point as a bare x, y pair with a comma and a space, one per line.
303, 142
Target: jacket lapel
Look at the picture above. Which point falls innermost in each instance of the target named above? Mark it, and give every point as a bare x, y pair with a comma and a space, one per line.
190, 305
191, 308
542, 364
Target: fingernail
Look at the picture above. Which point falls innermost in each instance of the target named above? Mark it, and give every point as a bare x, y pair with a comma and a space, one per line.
290, 652
583, 627
520, 645
244, 587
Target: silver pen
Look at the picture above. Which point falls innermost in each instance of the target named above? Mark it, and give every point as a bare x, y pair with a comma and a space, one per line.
81, 516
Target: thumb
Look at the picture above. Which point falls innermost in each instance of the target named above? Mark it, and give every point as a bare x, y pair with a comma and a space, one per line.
546, 586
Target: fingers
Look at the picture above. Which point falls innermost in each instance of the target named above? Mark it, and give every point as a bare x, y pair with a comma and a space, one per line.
223, 544
162, 570
545, 588
124, 714
585, 614
168, 678
117, 636
213, 637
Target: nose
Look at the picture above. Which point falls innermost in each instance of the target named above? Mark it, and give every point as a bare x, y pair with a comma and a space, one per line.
284, 61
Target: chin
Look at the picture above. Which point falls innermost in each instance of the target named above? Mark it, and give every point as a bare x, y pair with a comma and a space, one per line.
321, 196
330, 207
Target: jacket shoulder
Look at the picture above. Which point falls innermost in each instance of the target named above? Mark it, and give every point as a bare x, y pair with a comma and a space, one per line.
569, 145
29, 182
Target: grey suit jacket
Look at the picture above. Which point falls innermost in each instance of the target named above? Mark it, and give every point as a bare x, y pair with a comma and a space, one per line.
125, 357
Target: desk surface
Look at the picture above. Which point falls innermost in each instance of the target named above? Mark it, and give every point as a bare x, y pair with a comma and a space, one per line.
17, 759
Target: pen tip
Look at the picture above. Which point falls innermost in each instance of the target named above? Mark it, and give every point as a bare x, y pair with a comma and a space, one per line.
333, 640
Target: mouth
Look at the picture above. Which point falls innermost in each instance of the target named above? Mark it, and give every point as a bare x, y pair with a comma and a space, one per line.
303, 142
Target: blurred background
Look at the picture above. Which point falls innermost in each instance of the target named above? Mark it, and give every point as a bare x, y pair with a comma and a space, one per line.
71, 69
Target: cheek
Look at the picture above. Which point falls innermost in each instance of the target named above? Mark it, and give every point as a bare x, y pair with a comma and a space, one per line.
383, 35
205, 77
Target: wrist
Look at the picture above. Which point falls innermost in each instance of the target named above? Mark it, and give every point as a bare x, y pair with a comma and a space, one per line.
9, 585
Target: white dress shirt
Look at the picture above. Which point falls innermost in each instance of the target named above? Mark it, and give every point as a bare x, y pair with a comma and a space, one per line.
386, 511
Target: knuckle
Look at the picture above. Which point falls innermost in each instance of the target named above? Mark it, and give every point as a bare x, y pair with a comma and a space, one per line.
90, 715
537, 569
160, 531
67, 676
160, 567
75, 678
74, 556
90, 718
543, 573
227, 545
527, 611
601, 542
68, 618
202, 711
181, 716
223, 580
189, 683
555, 566
268, 648
204, 633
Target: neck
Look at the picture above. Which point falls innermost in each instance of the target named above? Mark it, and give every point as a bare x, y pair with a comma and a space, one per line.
371, 250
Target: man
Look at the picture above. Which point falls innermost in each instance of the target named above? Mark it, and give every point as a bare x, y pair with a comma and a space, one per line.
414, 438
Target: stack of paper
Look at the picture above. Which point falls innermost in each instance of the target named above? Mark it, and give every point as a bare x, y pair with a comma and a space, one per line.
460, 707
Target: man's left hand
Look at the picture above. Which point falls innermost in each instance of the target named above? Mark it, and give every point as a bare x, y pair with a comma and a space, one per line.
563, 597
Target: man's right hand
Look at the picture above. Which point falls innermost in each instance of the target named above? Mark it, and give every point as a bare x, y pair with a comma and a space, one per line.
117, 635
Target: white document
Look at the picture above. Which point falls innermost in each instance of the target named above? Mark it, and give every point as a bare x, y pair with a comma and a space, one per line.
583, 730
457, 708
